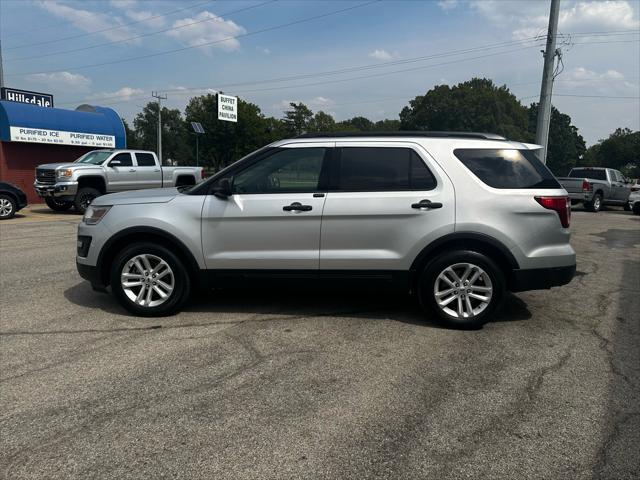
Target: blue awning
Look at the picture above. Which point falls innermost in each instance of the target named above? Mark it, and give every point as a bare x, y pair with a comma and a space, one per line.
85, 126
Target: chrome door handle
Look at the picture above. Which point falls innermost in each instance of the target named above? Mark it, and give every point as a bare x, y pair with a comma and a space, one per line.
426, 204
297, 206
132, 169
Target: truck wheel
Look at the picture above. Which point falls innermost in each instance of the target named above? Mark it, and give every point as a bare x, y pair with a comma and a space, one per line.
57, 205
627, 207
595, 205
149, 280
462, 288
7, 207
83, 199
636, 208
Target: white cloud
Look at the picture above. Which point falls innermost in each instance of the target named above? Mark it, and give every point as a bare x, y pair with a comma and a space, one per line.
607, 82
210, 29
528, 19
320, 102
125, 93
89, 21
380, 54
146, 17
448, 4
61, 80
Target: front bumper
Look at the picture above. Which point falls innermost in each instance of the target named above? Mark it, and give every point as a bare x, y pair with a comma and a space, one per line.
58, 190
541, 278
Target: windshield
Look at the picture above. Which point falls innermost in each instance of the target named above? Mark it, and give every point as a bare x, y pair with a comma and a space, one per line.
588, 173
94, 158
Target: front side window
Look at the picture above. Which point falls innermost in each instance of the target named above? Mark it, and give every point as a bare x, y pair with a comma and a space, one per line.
145, 159
507, 168
288, 170
124, 159
375, 169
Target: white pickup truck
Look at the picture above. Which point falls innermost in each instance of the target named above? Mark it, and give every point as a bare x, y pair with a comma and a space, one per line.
66, 185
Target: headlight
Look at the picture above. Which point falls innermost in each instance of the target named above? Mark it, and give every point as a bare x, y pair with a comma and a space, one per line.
93, 214
67, 172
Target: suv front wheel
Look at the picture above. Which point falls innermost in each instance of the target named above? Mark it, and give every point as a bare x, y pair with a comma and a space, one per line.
462, 288
149, 280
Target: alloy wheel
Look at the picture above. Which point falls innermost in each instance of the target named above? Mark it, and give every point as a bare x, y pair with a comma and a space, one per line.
6, 207
147, 280
463, 290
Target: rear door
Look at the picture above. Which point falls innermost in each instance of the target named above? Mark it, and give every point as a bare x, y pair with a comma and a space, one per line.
272, 220
122, 176
148, 170
377, 215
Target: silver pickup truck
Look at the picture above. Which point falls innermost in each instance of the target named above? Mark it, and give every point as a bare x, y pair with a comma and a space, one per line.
66, 185
596, 187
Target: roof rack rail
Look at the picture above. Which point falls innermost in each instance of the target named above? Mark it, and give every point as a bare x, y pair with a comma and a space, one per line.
403, 133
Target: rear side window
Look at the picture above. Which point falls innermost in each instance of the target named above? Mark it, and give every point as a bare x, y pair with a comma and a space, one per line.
375, 169
507, 168
588, 173
145, 160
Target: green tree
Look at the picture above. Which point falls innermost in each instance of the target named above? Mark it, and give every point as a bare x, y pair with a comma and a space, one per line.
297, 120
358, 124
476, 105
565, 146
130, 135
621, 150
175, 137
387, 125
322, 122
224, 142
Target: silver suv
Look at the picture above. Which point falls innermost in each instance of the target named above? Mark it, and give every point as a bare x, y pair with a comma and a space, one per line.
456, 218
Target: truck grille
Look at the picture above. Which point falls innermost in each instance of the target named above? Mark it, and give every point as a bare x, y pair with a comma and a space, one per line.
45, 176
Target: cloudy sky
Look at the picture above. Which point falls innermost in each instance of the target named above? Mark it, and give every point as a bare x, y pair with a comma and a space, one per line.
345, 57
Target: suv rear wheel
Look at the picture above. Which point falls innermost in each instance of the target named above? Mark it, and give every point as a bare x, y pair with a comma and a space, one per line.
462, 288
149, 280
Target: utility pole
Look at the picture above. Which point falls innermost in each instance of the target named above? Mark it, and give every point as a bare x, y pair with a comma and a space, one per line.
160, 98
544, 106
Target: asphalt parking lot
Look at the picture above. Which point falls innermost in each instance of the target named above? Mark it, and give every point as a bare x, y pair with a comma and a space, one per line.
253, 385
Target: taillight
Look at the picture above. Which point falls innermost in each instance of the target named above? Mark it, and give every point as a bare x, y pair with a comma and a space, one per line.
202, 174
585, 186
562, 205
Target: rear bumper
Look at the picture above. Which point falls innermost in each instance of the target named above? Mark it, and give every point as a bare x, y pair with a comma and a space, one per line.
541, 278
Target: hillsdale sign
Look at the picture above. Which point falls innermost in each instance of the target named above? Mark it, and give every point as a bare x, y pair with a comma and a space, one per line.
25, 96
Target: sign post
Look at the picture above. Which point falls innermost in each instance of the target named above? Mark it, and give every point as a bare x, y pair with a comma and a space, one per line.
227, 108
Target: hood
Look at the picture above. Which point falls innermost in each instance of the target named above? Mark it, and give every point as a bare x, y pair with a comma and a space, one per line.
53, 166
152, 195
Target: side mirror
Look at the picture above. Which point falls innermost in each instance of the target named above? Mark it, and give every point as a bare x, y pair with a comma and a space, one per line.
222, 189
115, 163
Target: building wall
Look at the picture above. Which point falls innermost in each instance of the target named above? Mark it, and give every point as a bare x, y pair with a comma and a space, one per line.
19, 160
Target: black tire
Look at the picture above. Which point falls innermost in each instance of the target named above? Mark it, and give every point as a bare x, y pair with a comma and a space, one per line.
627, 207
7, 207
595, 205
636, 208
84, 197
57, 205
429, 277
180, 275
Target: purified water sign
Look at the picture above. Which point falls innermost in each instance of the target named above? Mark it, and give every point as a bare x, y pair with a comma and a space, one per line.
227, 108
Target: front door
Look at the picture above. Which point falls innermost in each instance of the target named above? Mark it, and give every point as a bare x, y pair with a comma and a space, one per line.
386, 202
272, 220
121, 173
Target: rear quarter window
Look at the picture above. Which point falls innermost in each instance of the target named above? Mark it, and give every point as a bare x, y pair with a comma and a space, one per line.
507, 168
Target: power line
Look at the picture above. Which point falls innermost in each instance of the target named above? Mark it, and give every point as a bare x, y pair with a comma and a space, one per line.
204, 44
122, 25
587, 96
339, 71
208, 19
